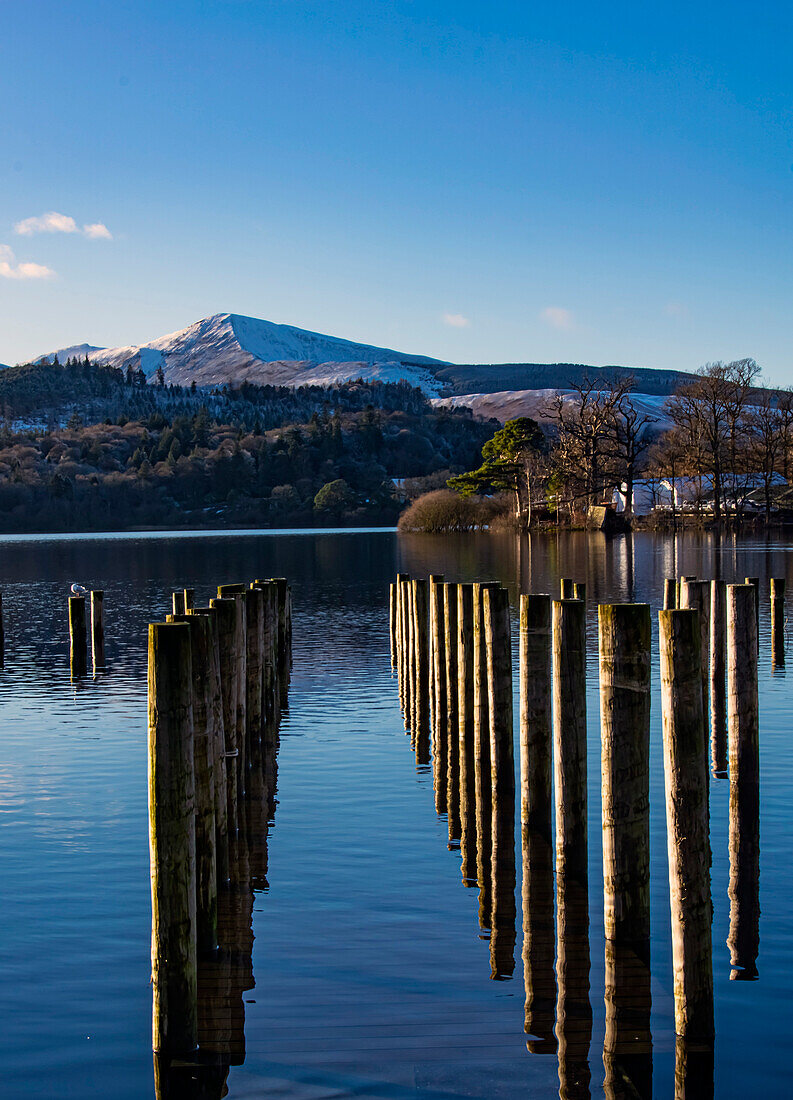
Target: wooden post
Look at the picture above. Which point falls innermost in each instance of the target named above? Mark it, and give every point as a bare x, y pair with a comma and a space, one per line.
465, 730
579, 591
237, 593
189, 599
778, 622
755, 581
201, 658
422, 704
172, 839
440, 748
177, 603
98, 628
2, 633
226, 613
573, 1008
535, 820
566, 588
254, 647
77, 635
718, 687
670, 593
742, 717
624, 645
482, 757
404, 643
392, 620
433, 591
687, 825
217, 737
696, 595
569, 736
502, 782
412, 689
450, 732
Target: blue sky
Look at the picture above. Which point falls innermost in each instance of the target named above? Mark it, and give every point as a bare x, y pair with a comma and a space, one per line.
481, 183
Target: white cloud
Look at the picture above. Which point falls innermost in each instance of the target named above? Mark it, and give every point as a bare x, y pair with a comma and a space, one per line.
557, 317
456, 320
97, 232
46, 223
10, 269
53, 222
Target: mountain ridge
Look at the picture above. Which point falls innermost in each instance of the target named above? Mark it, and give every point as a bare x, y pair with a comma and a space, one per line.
230, 348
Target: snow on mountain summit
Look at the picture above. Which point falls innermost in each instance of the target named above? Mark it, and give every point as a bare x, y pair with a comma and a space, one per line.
231, 348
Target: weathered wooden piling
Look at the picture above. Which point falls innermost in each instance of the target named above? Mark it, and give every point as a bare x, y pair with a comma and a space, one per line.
502, 781
433, 581
573, 1009
77, 635
236, 592
451, 733
777, 586
226, 613
482, 757
98, 628
688, 840
624, 652
696, 595
254, 652
177, 602
189, 599
412, 687
422, 661
670, 593
536, 807
392, 612
217, 737
465, 728
566, 588
2, 631
579, 591
755, 582
743, 726
201, 657
718, 681
440, 748
569, 737
172, 839
404, 645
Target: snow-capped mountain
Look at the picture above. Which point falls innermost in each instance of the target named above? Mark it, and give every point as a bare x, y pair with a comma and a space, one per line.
231, 348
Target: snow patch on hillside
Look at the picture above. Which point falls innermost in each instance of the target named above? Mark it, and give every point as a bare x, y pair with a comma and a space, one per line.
510, 404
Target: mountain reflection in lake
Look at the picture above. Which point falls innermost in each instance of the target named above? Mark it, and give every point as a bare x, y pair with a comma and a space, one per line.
371, 976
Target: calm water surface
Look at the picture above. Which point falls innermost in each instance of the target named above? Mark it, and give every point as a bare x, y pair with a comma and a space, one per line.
372, 977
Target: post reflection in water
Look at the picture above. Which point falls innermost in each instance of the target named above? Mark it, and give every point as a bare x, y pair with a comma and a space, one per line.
225, 976
693, 1071
573, 1008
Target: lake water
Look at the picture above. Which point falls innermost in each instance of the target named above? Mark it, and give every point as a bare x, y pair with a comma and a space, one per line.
372, 978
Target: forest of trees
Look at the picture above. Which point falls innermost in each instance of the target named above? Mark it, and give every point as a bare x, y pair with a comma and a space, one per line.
247, 456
